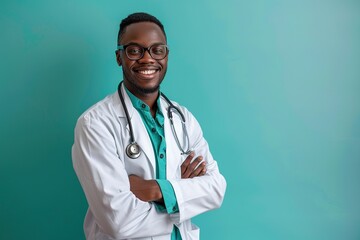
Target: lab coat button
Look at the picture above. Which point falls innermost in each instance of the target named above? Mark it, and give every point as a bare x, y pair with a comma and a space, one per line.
161, 155
153, 130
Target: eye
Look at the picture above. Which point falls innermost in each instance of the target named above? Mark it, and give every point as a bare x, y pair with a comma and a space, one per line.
159, 50
134, 50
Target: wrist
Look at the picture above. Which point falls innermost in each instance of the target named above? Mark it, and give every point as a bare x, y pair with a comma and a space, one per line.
156, 194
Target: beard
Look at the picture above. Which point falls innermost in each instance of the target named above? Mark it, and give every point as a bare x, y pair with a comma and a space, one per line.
141, 90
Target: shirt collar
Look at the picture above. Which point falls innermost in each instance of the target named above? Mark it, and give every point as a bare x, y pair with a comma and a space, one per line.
143, 107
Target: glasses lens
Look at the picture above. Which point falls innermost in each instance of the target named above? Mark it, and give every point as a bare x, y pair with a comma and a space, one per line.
158, 52
134, 52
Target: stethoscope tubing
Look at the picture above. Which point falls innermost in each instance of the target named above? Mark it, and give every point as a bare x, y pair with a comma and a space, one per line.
132, 138
133, 149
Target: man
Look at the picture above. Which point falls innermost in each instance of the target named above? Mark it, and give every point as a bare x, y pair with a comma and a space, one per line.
134, 163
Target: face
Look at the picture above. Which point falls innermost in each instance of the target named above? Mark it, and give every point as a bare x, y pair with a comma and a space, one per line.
142, 76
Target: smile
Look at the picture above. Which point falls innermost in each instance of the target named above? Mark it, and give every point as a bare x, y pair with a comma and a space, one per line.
146, 72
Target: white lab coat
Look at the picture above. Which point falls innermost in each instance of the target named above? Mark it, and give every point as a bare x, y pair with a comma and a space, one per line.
102, 166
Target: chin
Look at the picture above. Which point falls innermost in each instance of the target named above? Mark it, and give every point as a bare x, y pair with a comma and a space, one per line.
145, 88
148, 90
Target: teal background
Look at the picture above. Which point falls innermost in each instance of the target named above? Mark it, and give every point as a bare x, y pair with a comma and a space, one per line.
274, 84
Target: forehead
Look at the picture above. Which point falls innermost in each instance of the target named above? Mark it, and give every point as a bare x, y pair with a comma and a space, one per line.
143, 33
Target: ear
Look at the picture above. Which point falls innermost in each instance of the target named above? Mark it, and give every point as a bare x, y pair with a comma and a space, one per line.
118, 57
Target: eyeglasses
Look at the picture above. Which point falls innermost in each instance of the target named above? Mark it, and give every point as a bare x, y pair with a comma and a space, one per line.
135, 52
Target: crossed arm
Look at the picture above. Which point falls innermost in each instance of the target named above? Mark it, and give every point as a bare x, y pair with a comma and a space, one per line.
106, 184
149, 190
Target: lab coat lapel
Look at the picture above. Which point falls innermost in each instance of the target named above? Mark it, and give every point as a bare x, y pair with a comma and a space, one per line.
143, 139
140, 133
173, 154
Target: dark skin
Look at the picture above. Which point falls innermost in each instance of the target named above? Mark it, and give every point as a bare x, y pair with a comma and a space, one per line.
143, 78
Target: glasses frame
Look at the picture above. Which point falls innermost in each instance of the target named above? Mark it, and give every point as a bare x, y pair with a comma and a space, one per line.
123, 47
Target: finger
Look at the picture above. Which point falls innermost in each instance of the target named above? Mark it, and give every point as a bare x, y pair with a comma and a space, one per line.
191, 167
195, 163
186, 173
186, 163
199, 170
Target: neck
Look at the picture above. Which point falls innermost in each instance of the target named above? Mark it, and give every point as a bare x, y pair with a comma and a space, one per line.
149, 98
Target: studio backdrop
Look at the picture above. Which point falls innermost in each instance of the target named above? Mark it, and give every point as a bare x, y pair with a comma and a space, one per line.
274, 84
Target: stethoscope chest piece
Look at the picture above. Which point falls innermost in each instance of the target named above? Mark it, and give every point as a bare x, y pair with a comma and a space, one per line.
133, 150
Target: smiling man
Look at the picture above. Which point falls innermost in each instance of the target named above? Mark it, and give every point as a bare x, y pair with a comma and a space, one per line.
141, 159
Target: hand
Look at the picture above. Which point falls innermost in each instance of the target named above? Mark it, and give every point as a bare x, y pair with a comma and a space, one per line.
145, 190
193, 169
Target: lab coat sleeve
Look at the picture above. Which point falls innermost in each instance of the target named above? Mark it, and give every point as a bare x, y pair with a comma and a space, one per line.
199, 194
105, 182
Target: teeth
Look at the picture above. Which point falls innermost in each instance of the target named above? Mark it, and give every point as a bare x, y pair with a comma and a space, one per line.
147, 72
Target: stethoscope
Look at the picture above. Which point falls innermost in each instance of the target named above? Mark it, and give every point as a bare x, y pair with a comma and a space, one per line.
133, 150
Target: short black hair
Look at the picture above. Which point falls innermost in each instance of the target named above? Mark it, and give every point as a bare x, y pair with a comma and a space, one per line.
135, 18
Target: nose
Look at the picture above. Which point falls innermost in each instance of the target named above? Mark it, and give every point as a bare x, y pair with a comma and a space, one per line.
147, 57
